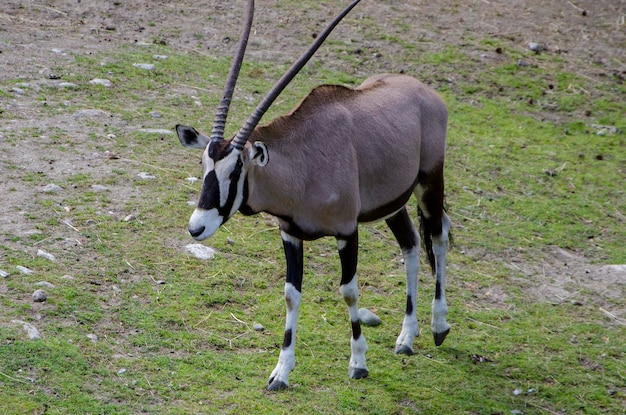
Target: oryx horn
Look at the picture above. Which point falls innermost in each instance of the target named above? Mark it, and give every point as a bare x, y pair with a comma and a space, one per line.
244, 133
222, 110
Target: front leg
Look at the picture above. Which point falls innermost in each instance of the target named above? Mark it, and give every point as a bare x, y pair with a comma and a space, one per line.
348, 253
279, 379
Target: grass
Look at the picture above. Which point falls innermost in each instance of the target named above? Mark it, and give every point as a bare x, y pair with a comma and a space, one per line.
174, 334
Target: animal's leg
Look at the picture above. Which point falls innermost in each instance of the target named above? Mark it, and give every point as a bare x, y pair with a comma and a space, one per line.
348, 253
408, 238
279, 379
439, 325
435, 227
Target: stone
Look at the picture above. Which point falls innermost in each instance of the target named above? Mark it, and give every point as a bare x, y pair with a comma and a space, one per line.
40, 296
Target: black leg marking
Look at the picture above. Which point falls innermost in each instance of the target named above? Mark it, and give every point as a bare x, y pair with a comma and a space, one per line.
287, 339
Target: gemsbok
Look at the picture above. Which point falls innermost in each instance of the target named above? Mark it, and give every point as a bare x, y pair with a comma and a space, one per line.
341, 157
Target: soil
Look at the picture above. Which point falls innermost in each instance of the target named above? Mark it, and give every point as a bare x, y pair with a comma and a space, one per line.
589, 35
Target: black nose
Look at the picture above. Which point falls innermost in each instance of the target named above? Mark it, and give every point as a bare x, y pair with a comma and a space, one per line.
196, 232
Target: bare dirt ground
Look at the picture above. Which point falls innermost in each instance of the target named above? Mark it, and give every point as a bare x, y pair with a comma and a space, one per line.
37, 35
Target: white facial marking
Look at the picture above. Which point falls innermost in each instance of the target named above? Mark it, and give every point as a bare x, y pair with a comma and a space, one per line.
209, 219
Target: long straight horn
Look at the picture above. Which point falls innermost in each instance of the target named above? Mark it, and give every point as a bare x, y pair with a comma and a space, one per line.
222, 110
244, 133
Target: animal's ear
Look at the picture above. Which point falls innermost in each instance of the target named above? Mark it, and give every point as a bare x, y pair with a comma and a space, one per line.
191, 138
259, 154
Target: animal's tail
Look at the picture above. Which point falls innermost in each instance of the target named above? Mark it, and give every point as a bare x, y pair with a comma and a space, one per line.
426, 234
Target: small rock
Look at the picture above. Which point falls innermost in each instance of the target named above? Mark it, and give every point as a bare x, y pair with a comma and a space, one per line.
92, 337
145, 175
40, 296
52, 188
88, 113
368, 318
98, 188
258, 327
46, 255
3, 273
103, 82
160, 57
25, 270
517, 392
56, 50
155, 114
66, 85
155, 131
146, 66
536, 47
18, 91
130, 217
44, 284
32, 331
121, 371
53, 76
67, 278
200, 251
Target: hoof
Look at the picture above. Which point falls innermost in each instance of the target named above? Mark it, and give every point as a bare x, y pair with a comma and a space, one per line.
276, 385
440, 337
404, 350
358, 373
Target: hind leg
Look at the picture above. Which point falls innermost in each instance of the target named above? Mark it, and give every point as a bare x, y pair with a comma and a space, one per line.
439, 325
408, 238
435, 226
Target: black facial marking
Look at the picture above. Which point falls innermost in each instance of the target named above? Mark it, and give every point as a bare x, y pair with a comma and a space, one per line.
210, 194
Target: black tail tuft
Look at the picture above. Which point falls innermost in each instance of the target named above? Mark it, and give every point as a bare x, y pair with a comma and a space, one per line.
426, 234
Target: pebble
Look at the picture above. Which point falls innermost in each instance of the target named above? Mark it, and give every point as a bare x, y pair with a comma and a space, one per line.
24, 270
368, 318
155, 114
121, 371
40, 296
98, 188
89, 113
155, 131
44, 254
3, 273
200, 251
66, 85
258, 327
146, 66
44, 284
145, 175
160, 57
536, 47
104, 82
52, 188
92, 337
32, 331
